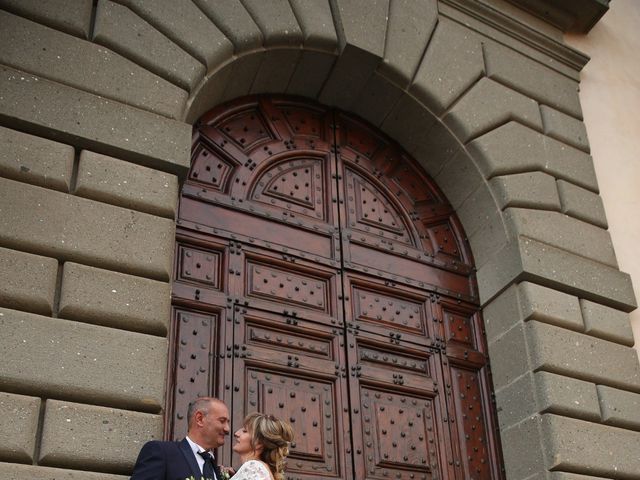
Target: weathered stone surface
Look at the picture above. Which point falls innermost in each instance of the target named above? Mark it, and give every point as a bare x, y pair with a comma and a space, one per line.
557, 350
66, 227
607, 323
316, 22
276, 70
311, 71
210, 92
532, 78
514, 148
506, 366
411, 125
569, 476
562, 231
35, 160
619, 408
234, 21
244, 73
411, 23
582, 204
121, 30
28, 281
489, 239
79, 362
362, 27
14, 471
376, 99
550, 306
114, 299
88, 121
452, 63
486, 106
526, 190
523, 455
73, 18
18, 426
127, 185
570, 445
276, 21
459, 178
86, 436
528, 259
564, 128
184, 23
476, 210
86, 66
544, 392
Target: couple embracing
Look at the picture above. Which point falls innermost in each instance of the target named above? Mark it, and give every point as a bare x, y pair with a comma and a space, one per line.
262, 443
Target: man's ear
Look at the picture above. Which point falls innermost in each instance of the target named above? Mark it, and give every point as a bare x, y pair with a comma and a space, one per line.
198, 417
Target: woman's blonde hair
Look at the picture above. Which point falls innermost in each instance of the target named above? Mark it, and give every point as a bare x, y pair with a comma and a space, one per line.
274, 435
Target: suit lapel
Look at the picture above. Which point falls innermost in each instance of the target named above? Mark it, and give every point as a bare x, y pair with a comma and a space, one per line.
185, 448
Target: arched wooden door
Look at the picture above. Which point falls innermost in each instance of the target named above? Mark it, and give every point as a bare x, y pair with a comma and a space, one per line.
321, 276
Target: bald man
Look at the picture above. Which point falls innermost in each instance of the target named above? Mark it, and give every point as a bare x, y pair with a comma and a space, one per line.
208, 420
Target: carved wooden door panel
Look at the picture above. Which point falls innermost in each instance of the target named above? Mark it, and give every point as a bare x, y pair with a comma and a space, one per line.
321, 276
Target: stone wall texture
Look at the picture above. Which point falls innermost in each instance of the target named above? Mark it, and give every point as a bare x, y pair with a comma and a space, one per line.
96, 105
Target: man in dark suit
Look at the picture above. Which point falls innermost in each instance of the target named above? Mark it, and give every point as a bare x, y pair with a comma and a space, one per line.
208, 420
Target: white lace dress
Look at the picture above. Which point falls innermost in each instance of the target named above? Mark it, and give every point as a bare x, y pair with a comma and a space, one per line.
253, 470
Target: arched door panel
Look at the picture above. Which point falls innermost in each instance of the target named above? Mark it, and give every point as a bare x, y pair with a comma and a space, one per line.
321, 276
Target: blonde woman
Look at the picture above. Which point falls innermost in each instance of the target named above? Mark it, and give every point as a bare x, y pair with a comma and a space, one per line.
263, 444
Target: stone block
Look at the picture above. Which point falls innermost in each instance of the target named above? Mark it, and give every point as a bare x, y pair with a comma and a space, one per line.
316, 22
14, 471
71, 228
502, 313
244, 73
28, 281
509, 356
489, 239
619, 408
80, 362
590, 448
97, 438
459, 178
565, 128
235, 22
411, 23
488, 105
114, 299
532, 78
311, 72
35, 160
73, 18
209, 92
607, 323
186, 25
514, 148
411, 125
526, 190
452, 63
109, 180
550, 306
40, 50
121, 30
277, 22
362, 27
477, 209
18, 426
523, 455
561, 351
582, 204
276, 70
376, 99
87, 121
544, 392
562, 231
569, 476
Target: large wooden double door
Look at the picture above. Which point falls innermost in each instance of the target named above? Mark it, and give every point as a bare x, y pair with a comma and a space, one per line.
322, 277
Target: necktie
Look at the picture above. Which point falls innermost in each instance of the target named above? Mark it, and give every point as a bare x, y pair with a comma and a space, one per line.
208, 469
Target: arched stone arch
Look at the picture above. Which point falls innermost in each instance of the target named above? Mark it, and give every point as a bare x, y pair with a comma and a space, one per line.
484, 100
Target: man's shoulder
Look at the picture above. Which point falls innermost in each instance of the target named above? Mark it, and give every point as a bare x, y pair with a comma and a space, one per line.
164, 445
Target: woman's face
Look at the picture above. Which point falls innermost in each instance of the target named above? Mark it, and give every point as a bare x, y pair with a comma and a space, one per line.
243, 442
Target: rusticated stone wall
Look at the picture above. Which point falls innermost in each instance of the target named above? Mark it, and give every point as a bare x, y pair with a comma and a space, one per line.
96, 106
